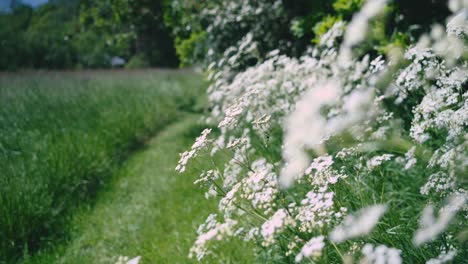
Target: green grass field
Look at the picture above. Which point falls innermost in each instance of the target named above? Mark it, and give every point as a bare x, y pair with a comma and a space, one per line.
147, 210
64, 137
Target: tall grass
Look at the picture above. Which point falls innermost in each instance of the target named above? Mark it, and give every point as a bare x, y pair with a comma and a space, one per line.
63, 134
145, 210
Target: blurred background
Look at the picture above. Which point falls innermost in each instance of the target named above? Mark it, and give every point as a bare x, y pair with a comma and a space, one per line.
64, 34
78, 34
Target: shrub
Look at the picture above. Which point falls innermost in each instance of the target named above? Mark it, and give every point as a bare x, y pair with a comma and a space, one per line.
137, 61
192, 49
339, 155
323, 27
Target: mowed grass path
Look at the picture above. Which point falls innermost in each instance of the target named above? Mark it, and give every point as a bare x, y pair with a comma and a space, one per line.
63, 135
147, 210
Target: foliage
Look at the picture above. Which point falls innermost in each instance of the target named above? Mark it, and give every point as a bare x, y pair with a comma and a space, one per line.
192, 49
63, 136
48, 37
347, 8
342, 154
293, 25
12, 43
84, 34
225, 24
322, 27
130, 28
93, 52
137, 61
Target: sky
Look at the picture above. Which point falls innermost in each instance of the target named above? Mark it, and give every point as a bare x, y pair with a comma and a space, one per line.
4, 4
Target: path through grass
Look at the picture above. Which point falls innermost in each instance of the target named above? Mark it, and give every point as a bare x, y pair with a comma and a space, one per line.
148, 210
64, 134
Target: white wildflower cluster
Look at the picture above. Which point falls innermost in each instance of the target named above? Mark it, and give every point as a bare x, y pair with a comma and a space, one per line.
320, 172
442, 112
300, 135
279, 221
424, 67
207, 177
359, 26
313, 248
199, 144
430, 226
381, 254
261, 186
236, 29
127, 260
209, 231
410, 158
358, 225
439, 182
444, 257
316, 211
378, 160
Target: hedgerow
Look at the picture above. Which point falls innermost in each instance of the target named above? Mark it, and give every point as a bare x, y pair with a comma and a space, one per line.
341, 154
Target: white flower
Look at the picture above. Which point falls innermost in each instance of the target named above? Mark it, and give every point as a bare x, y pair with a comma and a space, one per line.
313, 99
199, 144
211, 230
381, 254
410, 158
443, 257
359, 224
329, 39
315, 211
313, 248
274, 225
320, 164
358, 27
456, 5
253, 232
378, 160
207, 176
439, 182
227, 203
127, 260
261, 186
430, 227
305, 128
458, 25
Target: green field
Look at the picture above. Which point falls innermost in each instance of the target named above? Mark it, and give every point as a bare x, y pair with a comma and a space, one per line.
146, 210
69, 173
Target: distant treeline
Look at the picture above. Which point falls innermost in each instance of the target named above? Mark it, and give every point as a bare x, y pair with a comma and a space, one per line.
64, 34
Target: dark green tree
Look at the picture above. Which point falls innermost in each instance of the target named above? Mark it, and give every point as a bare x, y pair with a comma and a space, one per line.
130, 28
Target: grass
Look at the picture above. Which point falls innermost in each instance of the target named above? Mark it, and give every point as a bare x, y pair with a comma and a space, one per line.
85, 181
63, 135
147, 210
387, 184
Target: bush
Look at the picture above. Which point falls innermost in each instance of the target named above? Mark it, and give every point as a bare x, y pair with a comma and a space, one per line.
192, 49
92, 51
13, 46
84, 34
343, 154
323, 27
137, 61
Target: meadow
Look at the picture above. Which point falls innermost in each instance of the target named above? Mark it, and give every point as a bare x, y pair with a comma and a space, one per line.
64, 134
146, 210
328, 132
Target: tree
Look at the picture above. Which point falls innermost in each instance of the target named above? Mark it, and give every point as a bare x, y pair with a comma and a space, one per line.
131, 28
